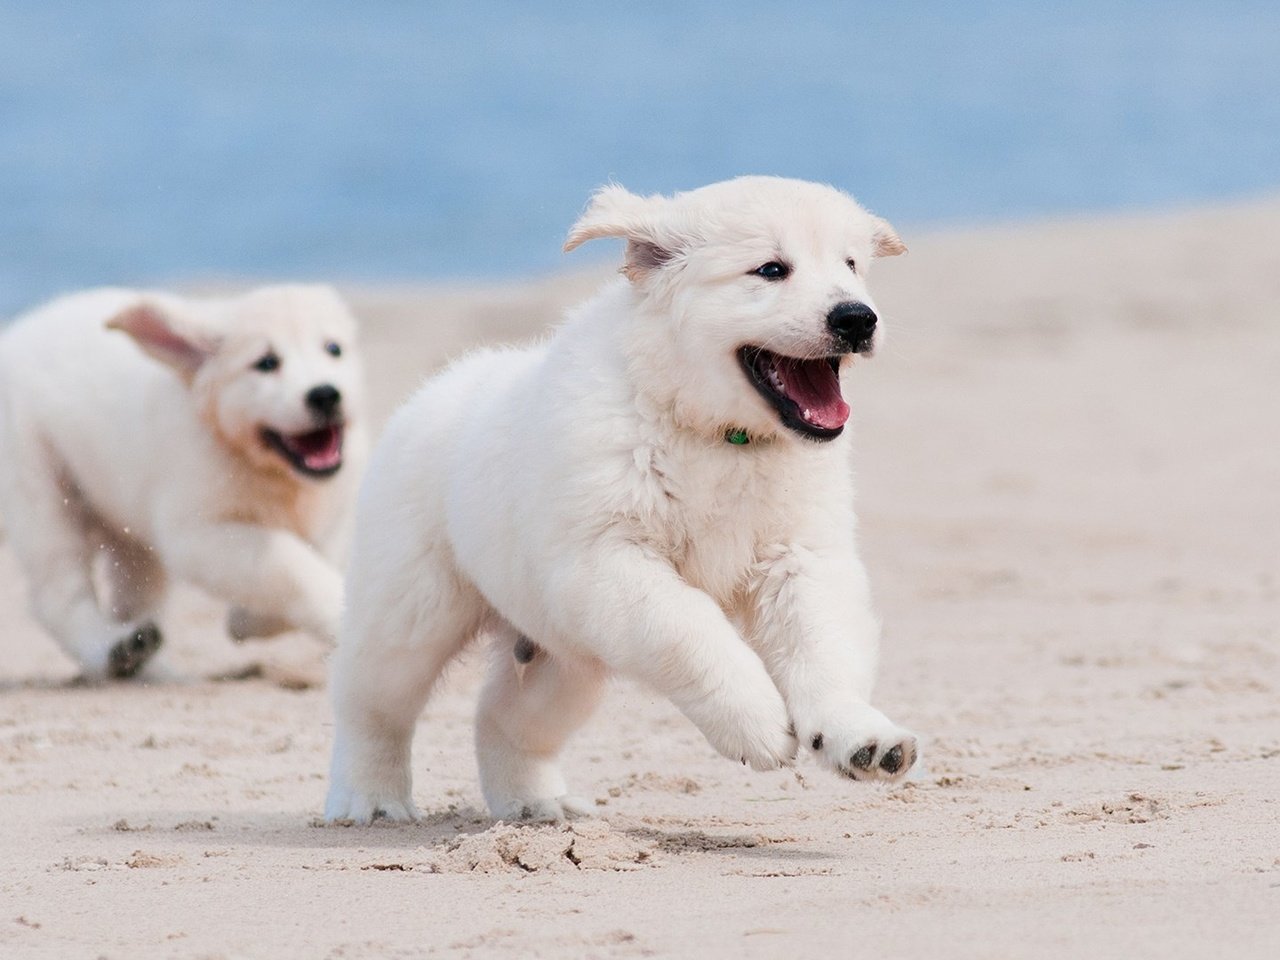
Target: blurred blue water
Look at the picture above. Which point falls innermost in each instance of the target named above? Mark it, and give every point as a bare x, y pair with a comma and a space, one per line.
149, 141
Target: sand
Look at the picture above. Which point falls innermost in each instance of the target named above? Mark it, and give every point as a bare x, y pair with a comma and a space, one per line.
1070, 495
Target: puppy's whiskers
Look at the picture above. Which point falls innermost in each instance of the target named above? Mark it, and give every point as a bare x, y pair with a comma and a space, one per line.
892, 344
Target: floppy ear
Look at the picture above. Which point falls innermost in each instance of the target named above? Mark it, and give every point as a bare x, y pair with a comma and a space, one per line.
885, 241
653, 240
174, 340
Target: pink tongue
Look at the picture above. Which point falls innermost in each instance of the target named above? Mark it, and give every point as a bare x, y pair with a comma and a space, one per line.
815, 388
320, 449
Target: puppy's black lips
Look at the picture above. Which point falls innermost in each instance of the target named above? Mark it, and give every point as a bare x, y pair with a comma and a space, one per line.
788, 410
276, 442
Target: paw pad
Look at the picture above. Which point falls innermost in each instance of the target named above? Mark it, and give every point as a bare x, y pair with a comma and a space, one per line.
862, 759
886, 758
129, 653
892, 761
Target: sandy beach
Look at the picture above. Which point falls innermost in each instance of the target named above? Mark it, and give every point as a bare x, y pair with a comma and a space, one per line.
1069, 490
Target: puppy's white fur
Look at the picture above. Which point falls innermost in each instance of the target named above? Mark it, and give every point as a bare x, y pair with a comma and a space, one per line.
132, 423
582, 493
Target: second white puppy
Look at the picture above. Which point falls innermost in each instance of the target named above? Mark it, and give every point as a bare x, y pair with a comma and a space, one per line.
663, 490
188, 439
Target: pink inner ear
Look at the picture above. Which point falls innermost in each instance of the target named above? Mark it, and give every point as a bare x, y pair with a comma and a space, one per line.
153, 332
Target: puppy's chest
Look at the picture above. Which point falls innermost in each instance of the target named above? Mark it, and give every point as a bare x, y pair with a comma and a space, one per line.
709, 514
276, 502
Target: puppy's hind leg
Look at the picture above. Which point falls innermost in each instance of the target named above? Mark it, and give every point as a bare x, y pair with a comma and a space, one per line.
51, 538
531, 704
395, 641
135, 579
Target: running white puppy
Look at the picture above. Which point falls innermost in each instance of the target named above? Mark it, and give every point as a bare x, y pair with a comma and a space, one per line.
662, 490
196, 439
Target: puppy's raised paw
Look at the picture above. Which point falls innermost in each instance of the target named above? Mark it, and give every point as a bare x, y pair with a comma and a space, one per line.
762, 745
880, 761
865, 745
748, 722
129, 653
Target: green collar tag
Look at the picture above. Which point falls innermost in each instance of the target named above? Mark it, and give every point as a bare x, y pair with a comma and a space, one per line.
737, 436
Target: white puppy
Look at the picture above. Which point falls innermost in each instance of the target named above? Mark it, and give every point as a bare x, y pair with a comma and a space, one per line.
662, 490
196, 439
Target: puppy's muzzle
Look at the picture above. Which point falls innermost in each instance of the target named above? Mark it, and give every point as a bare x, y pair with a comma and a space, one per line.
854, 324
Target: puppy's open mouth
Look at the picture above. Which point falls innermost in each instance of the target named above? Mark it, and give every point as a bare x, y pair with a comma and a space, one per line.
317, 453
806, 393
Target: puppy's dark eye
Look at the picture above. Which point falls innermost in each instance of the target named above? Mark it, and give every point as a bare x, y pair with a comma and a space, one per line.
852, 264
773, 270
267, 362
333, 349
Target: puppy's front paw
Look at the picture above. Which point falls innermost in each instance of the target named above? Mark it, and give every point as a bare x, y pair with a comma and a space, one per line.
863, 744
370, 780
546, 810
128, 654
772, 747
365, 806
758, 733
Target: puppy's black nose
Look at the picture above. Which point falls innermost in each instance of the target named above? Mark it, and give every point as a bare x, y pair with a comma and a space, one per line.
324, 399
852, 322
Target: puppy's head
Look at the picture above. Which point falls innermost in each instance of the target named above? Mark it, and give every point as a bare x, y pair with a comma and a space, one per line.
753, 296
273, 372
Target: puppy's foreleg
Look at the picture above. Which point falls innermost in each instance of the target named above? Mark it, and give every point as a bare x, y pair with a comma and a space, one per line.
269, 571
531, 704
245, 624
636, 614
813, 625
